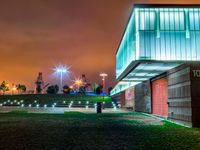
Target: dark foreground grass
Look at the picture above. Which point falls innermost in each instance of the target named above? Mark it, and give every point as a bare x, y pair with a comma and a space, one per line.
80, 131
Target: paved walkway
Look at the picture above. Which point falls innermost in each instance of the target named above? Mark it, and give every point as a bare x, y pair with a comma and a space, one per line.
57, 110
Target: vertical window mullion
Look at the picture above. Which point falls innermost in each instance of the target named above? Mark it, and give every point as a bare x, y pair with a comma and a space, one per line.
195, 35
180, 31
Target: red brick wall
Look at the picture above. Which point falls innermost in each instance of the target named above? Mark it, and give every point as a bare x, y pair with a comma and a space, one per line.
160, 97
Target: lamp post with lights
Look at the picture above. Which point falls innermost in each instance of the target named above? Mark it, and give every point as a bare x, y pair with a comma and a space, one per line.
13, 88
61, 70
103, 75
78, 82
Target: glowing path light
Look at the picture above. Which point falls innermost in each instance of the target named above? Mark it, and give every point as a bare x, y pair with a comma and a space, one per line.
61, 70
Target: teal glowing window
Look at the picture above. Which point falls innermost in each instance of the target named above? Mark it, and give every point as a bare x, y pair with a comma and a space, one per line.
172, 20
147, 20
194, 17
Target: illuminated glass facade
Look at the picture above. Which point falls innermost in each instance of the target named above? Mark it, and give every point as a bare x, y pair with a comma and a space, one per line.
160, 34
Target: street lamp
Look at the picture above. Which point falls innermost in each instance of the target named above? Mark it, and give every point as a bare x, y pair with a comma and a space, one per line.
14, 88
61, 70
78, 82
103, 75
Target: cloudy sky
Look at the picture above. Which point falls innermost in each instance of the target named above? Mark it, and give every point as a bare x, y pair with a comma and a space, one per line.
36, 35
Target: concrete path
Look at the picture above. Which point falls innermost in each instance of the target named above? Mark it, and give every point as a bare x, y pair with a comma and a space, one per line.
57, 110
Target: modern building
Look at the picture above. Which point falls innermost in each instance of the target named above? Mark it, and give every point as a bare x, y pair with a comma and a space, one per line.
158, 62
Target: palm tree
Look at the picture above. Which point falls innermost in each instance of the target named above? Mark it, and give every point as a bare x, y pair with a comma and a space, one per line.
21, 88
4, 87
94, 86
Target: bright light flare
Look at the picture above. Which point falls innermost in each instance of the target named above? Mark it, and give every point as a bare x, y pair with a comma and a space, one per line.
14, 88
78, 82
61, 69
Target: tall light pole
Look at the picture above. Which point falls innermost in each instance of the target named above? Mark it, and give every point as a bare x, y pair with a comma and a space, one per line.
103, 75
61, 70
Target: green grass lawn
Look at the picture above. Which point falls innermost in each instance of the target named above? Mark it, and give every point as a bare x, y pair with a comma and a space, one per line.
80, 131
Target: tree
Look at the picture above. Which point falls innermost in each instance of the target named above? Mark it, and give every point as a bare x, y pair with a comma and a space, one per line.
4, 87
99, 89
21, 88
66, 89
109, 90
39, 89
82, 90
94, 86
53, 89
56, 88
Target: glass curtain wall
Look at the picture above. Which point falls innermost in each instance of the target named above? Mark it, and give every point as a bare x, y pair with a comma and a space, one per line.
127, 47
171, 34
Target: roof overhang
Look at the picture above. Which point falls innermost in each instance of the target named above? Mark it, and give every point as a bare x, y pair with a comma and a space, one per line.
143, 70
139, 5
146, 69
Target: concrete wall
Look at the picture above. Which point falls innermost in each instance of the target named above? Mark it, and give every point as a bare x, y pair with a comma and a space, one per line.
195, 94
130, 98
119, 98
143, 97
179, 95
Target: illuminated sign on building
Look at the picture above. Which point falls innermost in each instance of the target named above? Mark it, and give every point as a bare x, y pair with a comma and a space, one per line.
196, 73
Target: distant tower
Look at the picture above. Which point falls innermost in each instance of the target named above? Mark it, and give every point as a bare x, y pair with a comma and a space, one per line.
39, 83
84, 79
86, 85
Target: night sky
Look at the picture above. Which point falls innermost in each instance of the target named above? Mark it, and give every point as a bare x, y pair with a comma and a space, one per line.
36, 35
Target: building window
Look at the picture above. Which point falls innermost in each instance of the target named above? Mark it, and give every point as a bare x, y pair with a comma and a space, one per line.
172, 20
194, 18
147, 20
